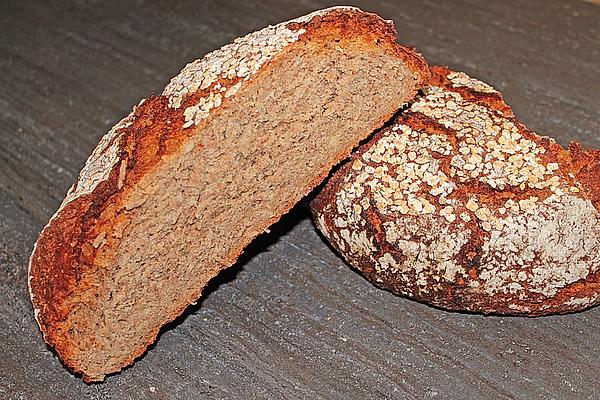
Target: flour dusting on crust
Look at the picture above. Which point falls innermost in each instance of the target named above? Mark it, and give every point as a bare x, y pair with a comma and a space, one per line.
457, 196
223, 72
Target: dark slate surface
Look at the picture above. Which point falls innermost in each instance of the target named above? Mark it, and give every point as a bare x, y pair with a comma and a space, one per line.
290, 320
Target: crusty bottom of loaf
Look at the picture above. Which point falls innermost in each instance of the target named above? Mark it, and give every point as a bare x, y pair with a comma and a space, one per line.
192, 217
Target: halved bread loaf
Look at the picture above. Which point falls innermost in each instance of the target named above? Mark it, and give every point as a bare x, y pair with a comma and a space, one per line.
459, 205
177, 189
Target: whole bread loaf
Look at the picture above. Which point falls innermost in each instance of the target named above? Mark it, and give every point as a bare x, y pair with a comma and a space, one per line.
177, 189
459, 205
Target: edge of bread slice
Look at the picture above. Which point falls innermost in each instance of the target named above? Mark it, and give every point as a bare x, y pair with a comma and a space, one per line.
176, 190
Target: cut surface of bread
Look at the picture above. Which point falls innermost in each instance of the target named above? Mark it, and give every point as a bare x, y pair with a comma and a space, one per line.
458, 205
176, 190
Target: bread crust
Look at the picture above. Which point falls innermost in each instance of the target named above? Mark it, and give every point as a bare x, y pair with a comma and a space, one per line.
158, 127
521, 237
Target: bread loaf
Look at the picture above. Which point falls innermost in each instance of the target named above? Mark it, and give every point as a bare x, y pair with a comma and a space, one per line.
177, 189
459, 205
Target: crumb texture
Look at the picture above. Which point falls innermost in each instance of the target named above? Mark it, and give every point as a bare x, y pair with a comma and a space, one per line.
176, 190
213, 78
459, 205
234, 64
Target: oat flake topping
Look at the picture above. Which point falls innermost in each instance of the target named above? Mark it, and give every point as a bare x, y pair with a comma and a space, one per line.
234, 63
542, 241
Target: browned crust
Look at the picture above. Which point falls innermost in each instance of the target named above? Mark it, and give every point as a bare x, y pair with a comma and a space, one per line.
586, 167
495, 101
583, 164
357, 23
64, 250
576, 165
